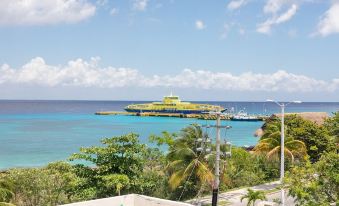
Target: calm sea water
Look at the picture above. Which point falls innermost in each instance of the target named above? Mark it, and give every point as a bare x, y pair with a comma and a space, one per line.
33, 133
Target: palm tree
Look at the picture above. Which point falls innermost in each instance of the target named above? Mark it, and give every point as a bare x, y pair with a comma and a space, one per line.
185, 161
253, 196
271, 141
6, 193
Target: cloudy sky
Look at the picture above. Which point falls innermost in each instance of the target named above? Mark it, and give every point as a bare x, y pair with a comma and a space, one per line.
143, 49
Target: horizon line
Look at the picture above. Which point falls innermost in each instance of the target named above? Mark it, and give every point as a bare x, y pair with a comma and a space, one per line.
122, 100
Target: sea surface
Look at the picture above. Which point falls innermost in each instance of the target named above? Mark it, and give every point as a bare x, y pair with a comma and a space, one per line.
33, 133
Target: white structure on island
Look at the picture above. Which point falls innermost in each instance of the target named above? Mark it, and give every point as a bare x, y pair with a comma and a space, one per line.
129, 200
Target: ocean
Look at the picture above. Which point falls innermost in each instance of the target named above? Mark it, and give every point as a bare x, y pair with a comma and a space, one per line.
33, 133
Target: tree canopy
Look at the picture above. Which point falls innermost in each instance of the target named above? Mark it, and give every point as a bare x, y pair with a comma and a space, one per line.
317, 138
316, 184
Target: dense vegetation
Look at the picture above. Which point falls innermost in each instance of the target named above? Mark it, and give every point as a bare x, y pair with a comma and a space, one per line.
122, 165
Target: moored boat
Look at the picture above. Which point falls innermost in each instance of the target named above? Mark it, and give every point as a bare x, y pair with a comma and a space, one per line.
243, 116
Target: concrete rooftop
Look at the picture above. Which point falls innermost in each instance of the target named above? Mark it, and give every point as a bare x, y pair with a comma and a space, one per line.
129, 200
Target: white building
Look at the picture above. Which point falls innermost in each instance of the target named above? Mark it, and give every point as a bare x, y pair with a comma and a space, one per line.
129, 200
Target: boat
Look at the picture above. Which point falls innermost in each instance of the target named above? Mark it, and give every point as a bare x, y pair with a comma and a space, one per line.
243, 116
172, 104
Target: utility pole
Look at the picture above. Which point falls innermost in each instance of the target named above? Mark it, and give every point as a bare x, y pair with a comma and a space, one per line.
217, 158
282, 161
217, 163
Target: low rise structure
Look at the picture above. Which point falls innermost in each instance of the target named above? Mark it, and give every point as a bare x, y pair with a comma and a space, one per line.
129, 200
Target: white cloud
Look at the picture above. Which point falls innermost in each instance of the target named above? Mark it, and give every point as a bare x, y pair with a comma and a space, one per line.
113, 11
329, 22
266, 26
199, 25
287, 15
226, 30
81, 73
37, 12
232, 26
102, 2
236, 4
76, 73
273, 6
140, 5
242, 31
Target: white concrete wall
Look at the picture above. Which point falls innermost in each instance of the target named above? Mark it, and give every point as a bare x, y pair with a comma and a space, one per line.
129, 200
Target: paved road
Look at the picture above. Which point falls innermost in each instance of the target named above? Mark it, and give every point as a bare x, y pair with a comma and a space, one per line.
233, 197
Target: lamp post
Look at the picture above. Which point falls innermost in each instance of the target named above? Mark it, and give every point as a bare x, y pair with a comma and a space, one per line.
282, 145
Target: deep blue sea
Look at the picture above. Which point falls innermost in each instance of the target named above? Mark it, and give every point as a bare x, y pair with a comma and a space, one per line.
33, 133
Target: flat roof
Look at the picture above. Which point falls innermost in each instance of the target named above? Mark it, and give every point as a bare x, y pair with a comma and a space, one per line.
129, 200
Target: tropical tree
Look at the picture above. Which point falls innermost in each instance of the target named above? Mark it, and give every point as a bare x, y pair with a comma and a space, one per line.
50, 185
242, 169
121, 155
116, 181
270, 144
318, 139
332, 125
315, 184
252, 196
6, 193
185, 162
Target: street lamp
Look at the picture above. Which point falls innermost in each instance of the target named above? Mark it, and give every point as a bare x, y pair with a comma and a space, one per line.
282, 144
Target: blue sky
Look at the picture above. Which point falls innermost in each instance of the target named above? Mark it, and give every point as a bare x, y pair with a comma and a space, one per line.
143, 49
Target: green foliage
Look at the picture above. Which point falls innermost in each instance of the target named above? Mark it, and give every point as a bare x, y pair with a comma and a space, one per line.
5, 195
270, 168
242, 169
122, 164
270, 144
118, 155
252, 196
192, 171
185, 164
46, 186
151, 181
6, 188
332, 125
316, 184
117, 181
316, 138
154, 159
166, 139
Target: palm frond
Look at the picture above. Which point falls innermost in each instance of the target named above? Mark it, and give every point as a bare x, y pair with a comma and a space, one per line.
204, 173
289, 153
174, 165
274, 151
176, 178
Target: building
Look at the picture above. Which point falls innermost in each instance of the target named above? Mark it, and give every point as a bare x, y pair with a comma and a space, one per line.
129, 200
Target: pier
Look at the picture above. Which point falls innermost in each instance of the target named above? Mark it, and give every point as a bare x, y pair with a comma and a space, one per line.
116, 113
178, 115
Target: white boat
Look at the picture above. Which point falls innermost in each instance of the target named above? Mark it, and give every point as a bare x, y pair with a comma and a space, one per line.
243, 116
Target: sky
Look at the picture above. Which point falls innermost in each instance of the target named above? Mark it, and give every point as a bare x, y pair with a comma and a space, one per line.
221, 50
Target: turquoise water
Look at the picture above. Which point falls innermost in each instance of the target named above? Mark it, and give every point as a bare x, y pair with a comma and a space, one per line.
34, 140
33, 133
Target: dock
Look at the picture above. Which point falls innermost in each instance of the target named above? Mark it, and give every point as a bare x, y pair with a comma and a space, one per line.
177, 115
116, 113
149, 114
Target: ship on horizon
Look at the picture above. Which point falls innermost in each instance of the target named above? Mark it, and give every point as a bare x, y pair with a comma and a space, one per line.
172, 104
